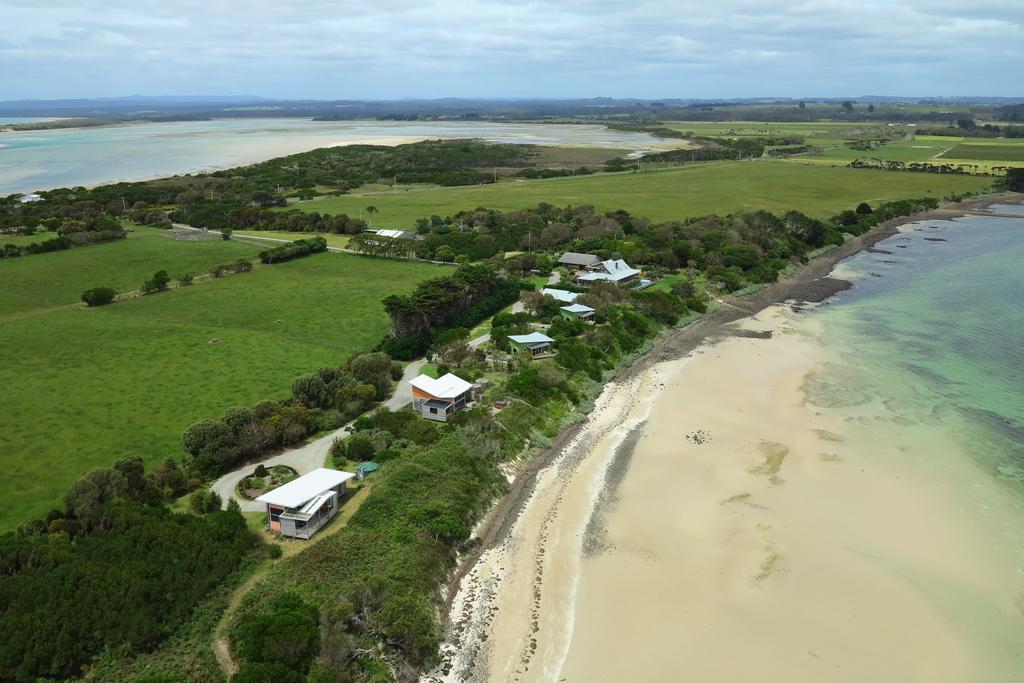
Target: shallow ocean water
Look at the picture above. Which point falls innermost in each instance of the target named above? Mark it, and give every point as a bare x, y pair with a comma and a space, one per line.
933, 331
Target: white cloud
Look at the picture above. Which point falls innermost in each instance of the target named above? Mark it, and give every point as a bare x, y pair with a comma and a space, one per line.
400, 48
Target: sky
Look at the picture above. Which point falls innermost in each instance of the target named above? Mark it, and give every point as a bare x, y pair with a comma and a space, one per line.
392, 49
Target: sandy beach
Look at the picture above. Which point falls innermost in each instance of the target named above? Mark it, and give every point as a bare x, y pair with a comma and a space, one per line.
746, 533
729, 512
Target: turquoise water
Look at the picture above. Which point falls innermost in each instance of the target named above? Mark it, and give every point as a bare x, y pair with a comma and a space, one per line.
936, 328
39, 160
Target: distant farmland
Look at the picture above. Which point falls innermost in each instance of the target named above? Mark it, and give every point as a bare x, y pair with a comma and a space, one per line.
675, 193
83, 387
986, 152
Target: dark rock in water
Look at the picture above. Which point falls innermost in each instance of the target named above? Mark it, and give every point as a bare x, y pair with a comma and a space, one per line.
875, 274
875, 250
901, 246
890, 261
935, 239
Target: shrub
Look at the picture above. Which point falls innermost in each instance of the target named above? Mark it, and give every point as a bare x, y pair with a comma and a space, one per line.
157, 283
267, 672
287, 634
204, 501
99, 296
185, 280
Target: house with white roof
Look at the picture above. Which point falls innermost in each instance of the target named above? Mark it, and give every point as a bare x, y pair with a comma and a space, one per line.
305, 505
28, 198
394, 234
436, 399
577, 312
560, 295
613, 270
535, 344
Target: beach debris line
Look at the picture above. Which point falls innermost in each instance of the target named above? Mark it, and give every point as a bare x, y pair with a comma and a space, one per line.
699, 437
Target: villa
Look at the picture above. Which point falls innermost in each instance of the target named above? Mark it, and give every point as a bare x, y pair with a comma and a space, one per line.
305, 505
616, 271
578, 312
436, 399
571, 259
535, 344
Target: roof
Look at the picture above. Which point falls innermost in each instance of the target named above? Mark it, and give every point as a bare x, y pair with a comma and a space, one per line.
613, 271
560, 294
447, 386
308, 486
397, 234
532, 338
578, 308
574, 259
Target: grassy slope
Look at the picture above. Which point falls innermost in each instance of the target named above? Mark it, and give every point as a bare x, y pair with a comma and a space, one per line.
333, 240
671, 194
44, 280
91, 385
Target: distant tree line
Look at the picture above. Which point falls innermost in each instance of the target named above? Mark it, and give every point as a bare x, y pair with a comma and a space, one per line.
919, 166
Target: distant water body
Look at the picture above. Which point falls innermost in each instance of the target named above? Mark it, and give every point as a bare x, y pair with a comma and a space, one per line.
40, 160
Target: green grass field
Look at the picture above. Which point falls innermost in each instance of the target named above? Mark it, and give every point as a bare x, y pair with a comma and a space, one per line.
988, 152
675, 193
83, 387
38, 281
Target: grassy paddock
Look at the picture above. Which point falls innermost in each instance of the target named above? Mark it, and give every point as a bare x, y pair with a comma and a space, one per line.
987, 152
87, 386
340, 241
37, 281
668, 194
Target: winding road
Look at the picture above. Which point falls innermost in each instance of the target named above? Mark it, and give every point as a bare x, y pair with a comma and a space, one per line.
312, 455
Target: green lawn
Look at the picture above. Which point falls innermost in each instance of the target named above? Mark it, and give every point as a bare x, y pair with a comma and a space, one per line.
29, 283
676, 193
83, 387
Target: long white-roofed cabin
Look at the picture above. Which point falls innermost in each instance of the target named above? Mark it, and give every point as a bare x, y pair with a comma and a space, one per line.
305, 505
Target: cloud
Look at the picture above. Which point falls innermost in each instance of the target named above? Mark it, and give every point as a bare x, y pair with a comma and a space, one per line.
506, 48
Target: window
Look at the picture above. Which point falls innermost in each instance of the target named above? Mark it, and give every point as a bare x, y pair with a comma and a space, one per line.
433, 411
275, 514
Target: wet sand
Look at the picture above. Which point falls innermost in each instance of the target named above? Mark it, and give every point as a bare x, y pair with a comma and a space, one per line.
797, 542
712, 523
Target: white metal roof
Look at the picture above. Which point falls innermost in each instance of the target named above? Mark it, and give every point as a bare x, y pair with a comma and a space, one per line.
560, 294
308, 486
447, 386
578, 308
397, 234
613, 271
532, 338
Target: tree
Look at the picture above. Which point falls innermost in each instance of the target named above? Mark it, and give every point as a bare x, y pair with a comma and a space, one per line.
204, 501
157, 283
966, 124
864, 208
99, 296
802, 105
871, 109
185, 280
372, 210
848, 105
225, 233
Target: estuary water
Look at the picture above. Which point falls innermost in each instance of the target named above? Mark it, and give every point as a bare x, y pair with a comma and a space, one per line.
40, 160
